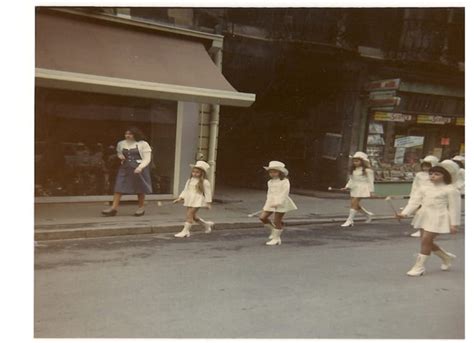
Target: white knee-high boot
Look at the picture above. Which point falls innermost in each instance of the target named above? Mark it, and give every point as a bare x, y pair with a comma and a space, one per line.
185, 232
419, 268
270, 226
367, 213
446, 257
276, 240
208, 225
350, 220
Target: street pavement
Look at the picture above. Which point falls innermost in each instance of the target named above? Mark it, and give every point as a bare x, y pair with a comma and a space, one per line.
322, 282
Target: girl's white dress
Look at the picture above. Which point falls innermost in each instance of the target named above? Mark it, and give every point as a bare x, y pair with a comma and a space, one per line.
361, 185
421, 180
460, 180
278, 194
440, 208
193, 198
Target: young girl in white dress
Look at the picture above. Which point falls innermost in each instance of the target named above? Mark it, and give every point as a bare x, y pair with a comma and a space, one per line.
461, 174
440, 213
278, 201
361, 185
197, 193
422, 179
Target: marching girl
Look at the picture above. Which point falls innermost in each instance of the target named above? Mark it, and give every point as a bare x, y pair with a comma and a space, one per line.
422, 179
460, 179
361, 185
196, 194
440, 213
278, 201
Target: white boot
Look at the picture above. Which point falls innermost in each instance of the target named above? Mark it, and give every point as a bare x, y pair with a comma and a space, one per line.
271, 227
416, 234
350, 220
185, 232
447, 258
276, 240
207, 225
368, 214
419, 268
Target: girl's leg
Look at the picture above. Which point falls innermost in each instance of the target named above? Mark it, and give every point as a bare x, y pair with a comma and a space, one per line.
264, 217
352, 212
446, 257
208, 225
427, 241
141, 200
116, 201
355, 204
186, 231
278, 220
276, 232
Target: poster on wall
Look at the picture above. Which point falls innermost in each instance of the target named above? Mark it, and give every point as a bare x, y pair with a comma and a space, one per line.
408, 141
375, 128
399, 155
438, 152
375, 140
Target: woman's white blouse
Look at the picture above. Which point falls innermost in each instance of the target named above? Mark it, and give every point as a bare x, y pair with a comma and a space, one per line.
278, 196
361, 185
193, 198
143, 148
440, 208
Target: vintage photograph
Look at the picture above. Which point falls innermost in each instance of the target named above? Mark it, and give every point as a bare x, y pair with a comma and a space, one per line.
237, 172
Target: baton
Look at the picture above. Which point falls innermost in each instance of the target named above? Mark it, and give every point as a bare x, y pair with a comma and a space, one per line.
389, 201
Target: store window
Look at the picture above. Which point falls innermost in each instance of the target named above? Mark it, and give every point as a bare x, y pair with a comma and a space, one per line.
396, 142
76, 135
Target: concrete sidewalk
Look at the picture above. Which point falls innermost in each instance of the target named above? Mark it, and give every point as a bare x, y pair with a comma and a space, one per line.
230, 210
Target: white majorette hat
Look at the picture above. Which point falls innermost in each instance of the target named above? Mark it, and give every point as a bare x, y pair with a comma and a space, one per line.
201, 165
277, 165
433, 160
451, 167
459, 158
362, 155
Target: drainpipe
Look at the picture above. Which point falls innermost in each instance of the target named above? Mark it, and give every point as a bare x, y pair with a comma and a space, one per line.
214, 124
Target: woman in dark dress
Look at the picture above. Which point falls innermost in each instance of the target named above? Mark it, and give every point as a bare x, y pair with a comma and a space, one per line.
133, 176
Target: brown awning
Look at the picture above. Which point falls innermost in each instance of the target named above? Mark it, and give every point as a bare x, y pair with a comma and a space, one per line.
72, 52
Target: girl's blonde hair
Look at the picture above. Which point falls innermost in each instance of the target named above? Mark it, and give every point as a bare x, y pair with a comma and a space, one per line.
200, 184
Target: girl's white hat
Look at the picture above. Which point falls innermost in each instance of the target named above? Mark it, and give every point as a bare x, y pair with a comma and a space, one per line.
451, 167
201, 165
459, 158
277, 165
362, 155
433, 160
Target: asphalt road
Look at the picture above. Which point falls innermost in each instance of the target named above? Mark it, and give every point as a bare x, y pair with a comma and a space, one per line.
323, 282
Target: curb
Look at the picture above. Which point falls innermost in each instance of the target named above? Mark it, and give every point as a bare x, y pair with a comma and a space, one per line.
95, 232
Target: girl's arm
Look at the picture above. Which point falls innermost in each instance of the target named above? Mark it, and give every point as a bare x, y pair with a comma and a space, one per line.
349, 183
183, 193
416, 185
370, 177
145, 153
461, 179
119, 151
413, 203
207, 191
283, 193
454, 207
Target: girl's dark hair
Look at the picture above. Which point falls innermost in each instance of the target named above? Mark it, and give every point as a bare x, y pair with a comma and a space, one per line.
281, 175
137, 133
446, 176
353, 167
460, 164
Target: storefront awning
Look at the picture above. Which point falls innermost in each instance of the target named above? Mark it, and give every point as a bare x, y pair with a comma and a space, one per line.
88, 55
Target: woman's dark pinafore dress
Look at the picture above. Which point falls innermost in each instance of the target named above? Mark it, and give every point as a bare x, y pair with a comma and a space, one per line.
127, 181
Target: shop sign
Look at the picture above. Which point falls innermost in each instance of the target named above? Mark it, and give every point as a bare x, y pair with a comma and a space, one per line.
408, 141
460, 121
383, 85
389, 116
445, 141
437, 120
387, 101
399, 156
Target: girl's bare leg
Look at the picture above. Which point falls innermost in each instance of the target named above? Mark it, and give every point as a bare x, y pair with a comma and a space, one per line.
141, 200
190, 214
264, 217
355, 204
278, 220
427, 242
116, 200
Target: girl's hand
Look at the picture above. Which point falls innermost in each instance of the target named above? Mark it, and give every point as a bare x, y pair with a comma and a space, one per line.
177, 200
138, 170
400, 216
344, 188
209, 206
372, 194
453, 229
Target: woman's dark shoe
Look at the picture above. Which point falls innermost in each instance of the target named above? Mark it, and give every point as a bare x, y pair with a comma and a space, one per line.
109, 212
140, 212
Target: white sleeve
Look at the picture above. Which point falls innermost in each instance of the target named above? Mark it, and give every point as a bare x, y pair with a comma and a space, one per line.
349, 182
183, 193
284, 191
207, 191
119, 149
413, 203
461, 180
146, 159
370, 177
415, 185
454, 207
